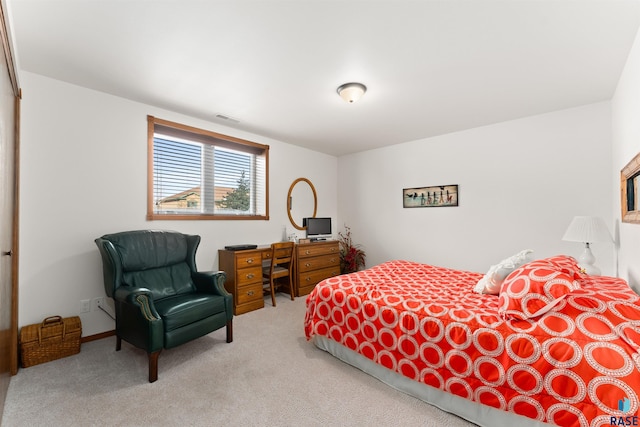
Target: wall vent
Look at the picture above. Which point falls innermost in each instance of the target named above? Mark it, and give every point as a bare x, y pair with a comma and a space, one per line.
227, 118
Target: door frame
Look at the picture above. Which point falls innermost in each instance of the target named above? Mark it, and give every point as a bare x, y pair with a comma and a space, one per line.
5, 39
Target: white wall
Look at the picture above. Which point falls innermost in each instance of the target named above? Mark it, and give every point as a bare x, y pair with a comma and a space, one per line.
520, 184
83, 174
626, 144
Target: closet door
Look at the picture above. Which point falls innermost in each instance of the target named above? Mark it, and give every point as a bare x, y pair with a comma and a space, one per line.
9, 117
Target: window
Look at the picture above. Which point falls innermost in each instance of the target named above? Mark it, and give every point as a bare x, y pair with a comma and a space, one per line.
197, 174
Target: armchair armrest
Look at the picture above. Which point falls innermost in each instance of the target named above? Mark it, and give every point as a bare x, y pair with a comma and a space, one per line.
137, 320
126, 293
140, 298
210, 282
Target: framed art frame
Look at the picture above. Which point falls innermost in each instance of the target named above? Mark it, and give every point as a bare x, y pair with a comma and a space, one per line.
630, 190
430, 197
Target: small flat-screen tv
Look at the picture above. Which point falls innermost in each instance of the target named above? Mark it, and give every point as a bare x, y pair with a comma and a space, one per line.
318, 228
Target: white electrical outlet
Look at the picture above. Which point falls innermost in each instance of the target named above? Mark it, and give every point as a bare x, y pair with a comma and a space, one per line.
97, 303
85, 306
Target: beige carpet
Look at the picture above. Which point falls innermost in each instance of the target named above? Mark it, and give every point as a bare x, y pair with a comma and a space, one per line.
268, 376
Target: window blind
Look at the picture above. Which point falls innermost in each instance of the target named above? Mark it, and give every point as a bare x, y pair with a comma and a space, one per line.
205, 175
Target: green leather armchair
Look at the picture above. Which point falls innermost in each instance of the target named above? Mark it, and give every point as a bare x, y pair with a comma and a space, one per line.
161, 300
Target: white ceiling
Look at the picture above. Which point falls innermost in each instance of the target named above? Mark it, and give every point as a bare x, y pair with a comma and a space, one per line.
431, 66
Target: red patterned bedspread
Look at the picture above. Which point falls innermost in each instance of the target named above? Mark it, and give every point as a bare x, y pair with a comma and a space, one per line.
574, 366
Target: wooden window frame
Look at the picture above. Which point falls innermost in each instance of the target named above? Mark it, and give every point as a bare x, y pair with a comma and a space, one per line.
200, 135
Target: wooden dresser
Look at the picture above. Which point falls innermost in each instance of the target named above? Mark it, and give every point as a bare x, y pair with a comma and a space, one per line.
244, 277
315, 262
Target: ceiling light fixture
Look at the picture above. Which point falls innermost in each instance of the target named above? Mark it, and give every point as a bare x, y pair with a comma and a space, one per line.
351, 92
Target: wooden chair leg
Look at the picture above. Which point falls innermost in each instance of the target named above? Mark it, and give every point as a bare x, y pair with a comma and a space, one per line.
118, 343
230, 330
273, 292
291, 288
153, 366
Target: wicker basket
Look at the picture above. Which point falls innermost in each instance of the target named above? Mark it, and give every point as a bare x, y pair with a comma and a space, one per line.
52, 339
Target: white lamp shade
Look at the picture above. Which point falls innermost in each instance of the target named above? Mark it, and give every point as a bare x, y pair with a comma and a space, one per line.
587, 229
351, 92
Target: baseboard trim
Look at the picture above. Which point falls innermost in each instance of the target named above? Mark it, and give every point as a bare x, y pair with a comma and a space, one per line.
99, 336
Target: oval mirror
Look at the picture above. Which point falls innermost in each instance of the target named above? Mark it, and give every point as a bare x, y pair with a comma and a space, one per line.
302, 202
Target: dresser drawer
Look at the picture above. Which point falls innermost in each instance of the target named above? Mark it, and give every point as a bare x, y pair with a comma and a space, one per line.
248, 259
318, 262
308, 280
315, 249
247, 276
249, 293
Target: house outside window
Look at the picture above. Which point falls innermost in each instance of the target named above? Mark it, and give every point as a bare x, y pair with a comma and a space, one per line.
198, 174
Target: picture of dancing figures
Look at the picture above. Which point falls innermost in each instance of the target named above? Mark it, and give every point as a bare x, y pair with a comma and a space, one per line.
429, 197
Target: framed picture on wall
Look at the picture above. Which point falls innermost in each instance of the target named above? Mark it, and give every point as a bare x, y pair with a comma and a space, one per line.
430, 197
630, 190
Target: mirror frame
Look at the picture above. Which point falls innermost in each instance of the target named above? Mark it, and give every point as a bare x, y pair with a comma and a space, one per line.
315, 201
627, 173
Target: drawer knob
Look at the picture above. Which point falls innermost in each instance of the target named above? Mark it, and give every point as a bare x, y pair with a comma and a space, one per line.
307, 252
250, 293
250, 276
249, 260
308, 264
308, 279
333, 260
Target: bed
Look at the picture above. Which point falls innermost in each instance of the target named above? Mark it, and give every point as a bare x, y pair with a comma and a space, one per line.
549, 345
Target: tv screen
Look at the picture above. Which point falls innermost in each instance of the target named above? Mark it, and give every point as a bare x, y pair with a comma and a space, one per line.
318, 226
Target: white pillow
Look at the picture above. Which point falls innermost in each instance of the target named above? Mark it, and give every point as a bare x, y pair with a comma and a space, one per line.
492, 281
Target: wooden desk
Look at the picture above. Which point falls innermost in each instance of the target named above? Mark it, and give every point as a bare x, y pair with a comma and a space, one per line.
244, 276
313, 262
